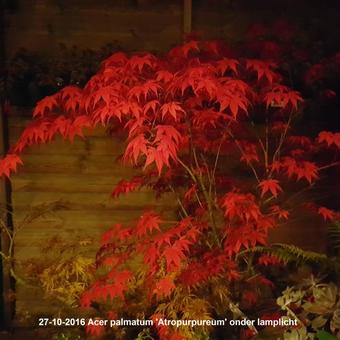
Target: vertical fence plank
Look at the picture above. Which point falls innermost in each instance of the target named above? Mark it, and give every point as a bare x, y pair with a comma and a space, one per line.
187, 16
6, 312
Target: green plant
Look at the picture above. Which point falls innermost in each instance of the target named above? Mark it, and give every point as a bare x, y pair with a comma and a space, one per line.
67, 278
289, 252
315, 305
334, 237
65, 271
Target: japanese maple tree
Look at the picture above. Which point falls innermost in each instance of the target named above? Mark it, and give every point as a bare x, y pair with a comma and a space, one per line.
218, 133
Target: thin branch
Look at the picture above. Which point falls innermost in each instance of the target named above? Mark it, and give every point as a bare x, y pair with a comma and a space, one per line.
210, 210
243, 154
179, 201
188, 170
282, 138
329, 165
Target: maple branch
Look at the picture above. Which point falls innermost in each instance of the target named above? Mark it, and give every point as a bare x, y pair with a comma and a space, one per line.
207, 168
217, 157
8, 259
208, 199
4, 227
199, 179
282, 138
3, 255
265, 154
198, 199
243, 154
329, 165
188, 170
213, 182
299, 192
264, 148
179, 201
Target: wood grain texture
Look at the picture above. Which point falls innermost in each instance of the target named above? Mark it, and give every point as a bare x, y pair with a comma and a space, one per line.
44, 26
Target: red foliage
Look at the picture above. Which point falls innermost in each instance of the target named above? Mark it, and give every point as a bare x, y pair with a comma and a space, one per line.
270, 185
187, 116
124, 187
9, 164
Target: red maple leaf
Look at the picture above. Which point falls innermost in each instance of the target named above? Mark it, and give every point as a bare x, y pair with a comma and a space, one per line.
205, 85
167, 140
148, 88
77, 126
225, 64
135, 148
115, 285
140, 63
271, 185
70, 92
124, 186
281, 213
263, 69
280, 96
148, 222
172, 109
307, 170
60, 125
158, 156
245, 235
326, 213
329, 138
300, 169
232, 101
104, 95
9, 164
151, 106
240, 206
44, 105
186, 226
